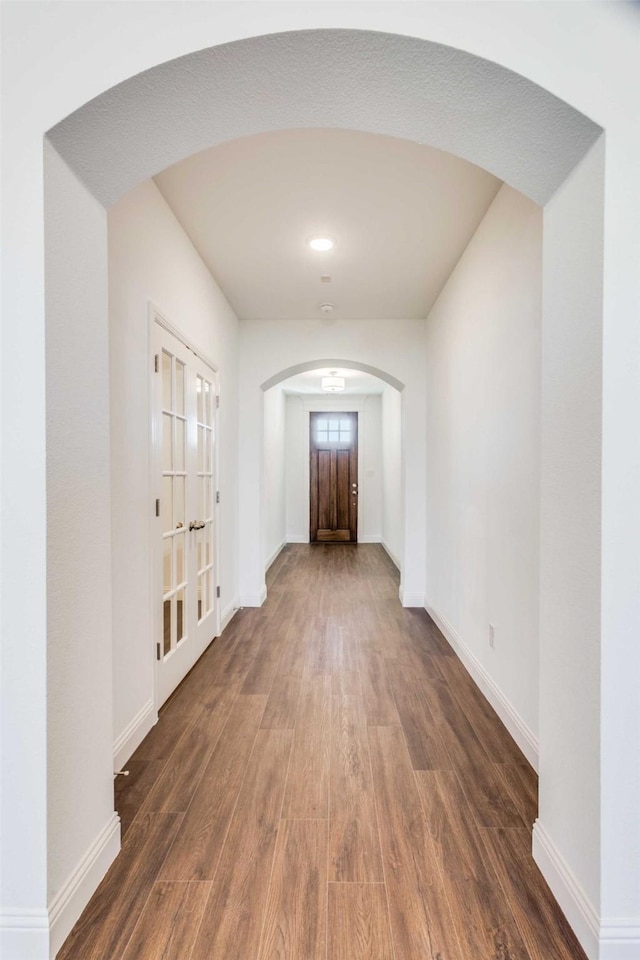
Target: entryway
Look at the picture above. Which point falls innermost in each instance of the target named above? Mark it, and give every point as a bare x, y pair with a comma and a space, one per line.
333, 471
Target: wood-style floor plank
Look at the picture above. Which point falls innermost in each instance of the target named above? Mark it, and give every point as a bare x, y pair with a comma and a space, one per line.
421, 922
296, 913
486, 793
282, 705
131, 791
169, 923
360, 776
425, 743
307, 793
233, 918
196, 851
354, 842
482, 917
176, 784
378, 696
542, 924
358, 922
109, 918
522, 784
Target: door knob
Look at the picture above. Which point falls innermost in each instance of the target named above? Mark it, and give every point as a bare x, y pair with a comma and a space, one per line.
197, 525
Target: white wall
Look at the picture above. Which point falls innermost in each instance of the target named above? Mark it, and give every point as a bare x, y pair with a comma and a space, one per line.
274, 473
151, 259
570, 537
369, 462
392, 486
78, 542
483, 449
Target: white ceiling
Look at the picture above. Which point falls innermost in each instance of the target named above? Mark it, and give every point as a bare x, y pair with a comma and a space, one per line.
357, 382
401, 215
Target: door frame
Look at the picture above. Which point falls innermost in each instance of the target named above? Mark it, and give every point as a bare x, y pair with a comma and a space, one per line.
349, 404
353, 479
155, 320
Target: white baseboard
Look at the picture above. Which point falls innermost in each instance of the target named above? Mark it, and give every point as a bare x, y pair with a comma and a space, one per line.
521, 733
253, 599
620, 939
410, 599
134, 733
390, 553
369, 538
24, 935
573, 901
608, 939
297, 538
69, 903
276, 553
228, 614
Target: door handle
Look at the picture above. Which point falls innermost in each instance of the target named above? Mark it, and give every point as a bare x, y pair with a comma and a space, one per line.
197, 525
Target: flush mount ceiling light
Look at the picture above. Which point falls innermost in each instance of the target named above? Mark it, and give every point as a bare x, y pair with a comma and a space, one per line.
322, 244
333, 383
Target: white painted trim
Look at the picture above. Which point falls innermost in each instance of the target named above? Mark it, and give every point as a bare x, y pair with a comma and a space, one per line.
608, 939
253, 599
134, 733
71, 900
572, 899
156, 314
620, 939
24, 934
410, 599
228, 614
390, 553
276, 553
297, 538
521, 733
369, 538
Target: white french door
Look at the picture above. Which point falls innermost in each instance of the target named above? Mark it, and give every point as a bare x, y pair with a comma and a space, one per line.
184, 467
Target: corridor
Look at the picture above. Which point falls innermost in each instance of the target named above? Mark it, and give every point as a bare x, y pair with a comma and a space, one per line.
326, 783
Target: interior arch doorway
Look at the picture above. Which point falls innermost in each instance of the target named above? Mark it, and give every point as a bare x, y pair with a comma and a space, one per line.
333, 461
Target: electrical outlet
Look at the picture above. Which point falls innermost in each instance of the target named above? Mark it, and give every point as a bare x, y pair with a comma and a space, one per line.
492, 635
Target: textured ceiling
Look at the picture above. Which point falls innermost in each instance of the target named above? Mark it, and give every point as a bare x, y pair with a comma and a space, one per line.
401, 215
382, 83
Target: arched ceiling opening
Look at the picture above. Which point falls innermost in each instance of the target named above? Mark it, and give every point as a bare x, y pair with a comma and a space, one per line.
333, 364
361, 80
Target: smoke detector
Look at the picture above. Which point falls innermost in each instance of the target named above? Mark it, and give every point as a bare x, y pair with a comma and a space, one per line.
327, 307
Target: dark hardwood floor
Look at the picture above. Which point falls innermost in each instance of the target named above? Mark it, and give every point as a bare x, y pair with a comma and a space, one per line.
326, 784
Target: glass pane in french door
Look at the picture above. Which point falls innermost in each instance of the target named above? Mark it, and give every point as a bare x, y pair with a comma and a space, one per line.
175, 587
205, 495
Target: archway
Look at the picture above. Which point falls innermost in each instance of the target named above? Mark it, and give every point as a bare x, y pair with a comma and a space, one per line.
109, 156
289, 403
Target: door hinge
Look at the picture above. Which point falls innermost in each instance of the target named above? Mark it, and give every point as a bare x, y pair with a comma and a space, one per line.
217, 496
217, 400
218, 592
158, 507
158, 653
156, 362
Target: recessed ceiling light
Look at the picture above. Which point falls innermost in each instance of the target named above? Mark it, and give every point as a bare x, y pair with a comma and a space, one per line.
321, 244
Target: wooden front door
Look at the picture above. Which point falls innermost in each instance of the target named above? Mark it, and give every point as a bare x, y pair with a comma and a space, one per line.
333, 453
